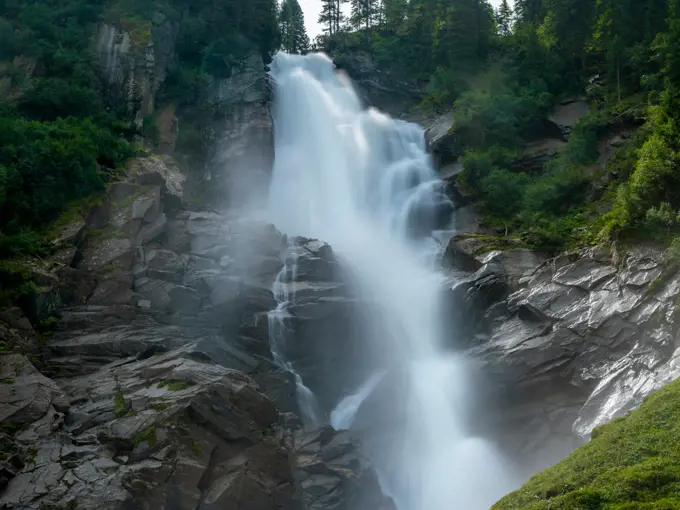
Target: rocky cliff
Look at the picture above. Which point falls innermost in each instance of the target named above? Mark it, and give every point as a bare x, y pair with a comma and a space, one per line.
227, 124
570, 342
153, 383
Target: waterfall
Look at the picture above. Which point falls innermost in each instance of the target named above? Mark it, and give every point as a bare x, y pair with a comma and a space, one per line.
364, 183
284, 293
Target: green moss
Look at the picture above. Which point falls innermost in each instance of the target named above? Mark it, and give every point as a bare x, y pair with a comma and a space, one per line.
46, 326
196, 448
31, 455
7, 380
147, 436
16, 283
631, 463
162, 384
179, 385
119, 403
268, 432
160, 406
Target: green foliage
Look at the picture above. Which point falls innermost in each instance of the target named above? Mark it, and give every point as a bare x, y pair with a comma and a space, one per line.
497, 111
119, 404
147, 436
673, 252
44, 166
546, 208
179, 385
294, 37
16, 284
196, 448
629, 463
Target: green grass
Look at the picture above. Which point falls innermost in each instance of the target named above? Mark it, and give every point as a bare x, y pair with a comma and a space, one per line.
632, 463
147, 436
119, 403
179, 385
196, 448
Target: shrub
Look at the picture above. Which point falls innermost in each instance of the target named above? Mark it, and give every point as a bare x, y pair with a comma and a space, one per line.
673, 252
44, 166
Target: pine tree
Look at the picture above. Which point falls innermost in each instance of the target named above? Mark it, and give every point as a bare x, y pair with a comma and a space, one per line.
504, 19
294, 37
462, 32
621, 26
364, 13
331, 16
530, 11
568, 25
394, 12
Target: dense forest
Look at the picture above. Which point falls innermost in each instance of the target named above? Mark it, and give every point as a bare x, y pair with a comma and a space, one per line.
500, 72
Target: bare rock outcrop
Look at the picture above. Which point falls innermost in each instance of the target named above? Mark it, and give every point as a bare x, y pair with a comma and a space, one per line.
573, 342
157, 385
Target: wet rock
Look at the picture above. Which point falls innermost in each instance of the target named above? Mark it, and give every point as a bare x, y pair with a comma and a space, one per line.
595, 327
515, 263
379, 87
538, 154
568, 113
239, 169
164, 432
163, 172
26, 395
456, 257
333, 475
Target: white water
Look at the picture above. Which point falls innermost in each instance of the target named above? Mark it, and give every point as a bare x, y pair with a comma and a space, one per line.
309, 408
363, 182
344, 414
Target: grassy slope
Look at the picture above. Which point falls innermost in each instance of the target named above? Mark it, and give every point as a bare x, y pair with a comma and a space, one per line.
631, 463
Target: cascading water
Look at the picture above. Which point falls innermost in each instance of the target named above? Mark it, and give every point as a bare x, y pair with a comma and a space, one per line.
363, 182
284, 294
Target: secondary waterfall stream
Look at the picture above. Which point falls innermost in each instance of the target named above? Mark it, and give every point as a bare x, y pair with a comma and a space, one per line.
364, 183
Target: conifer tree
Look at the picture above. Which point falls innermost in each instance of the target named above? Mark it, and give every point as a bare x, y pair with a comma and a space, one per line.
364, 13
504, 19
530, 11
331, 16
294, 37
394, 12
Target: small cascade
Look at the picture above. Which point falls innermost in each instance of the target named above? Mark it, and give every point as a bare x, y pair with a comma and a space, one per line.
284, 293
344, 414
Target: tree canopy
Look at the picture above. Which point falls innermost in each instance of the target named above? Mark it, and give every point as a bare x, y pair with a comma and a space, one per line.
294, 37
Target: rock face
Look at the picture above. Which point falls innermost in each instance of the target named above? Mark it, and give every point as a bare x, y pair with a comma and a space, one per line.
135, 69
572, 342
323, 334
244, 144
379, 88
135, 60
157, 386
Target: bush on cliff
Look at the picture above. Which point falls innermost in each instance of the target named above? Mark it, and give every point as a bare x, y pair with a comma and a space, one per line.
44, 166
631, 463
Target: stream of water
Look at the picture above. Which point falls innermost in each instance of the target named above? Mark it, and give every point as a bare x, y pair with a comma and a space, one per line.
364, 183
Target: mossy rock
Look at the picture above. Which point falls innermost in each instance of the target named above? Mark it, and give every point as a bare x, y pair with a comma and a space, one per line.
631, 463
